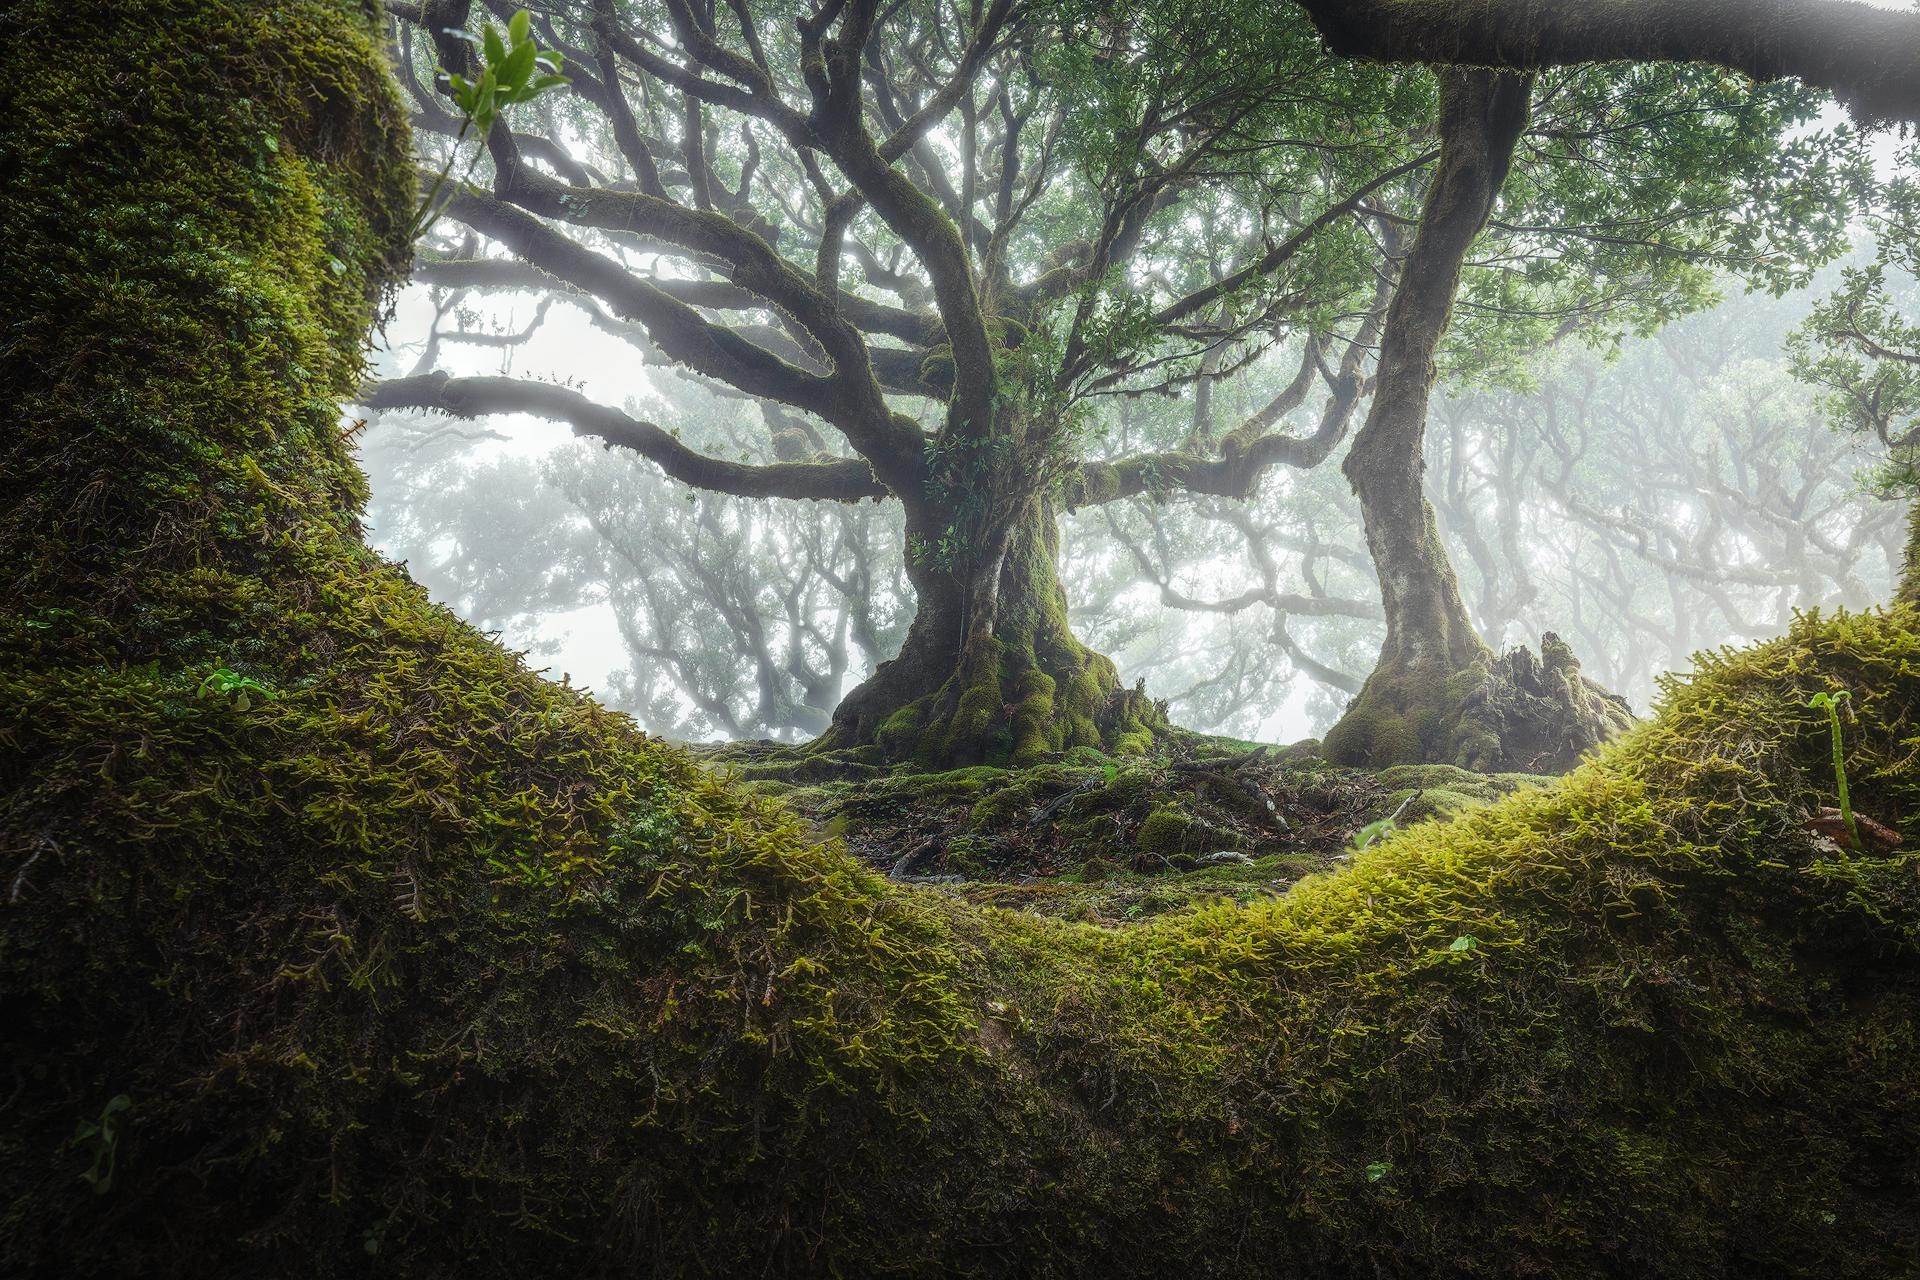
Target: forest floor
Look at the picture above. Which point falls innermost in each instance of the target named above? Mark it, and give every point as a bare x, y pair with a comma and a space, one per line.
1107, 839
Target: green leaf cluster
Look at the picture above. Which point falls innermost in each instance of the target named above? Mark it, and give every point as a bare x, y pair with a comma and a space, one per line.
513, 70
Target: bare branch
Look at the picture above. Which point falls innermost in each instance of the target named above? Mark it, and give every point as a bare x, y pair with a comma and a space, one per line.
844, 480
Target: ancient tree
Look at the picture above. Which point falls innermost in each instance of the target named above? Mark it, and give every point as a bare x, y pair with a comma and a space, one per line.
1862, 54
940, 233
1713, 180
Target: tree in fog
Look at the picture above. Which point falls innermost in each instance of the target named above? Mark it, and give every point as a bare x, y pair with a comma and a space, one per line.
938, 235
1861, 348
947, 241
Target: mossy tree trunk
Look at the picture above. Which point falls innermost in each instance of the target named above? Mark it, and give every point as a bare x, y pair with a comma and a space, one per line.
1438, 693
990, 670
1908, 592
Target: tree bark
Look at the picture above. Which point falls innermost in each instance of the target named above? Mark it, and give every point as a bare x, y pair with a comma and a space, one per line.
1438, 693
990, 670
1864, 55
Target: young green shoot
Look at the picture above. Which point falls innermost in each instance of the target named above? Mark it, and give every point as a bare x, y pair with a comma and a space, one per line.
513, 69
1830, 703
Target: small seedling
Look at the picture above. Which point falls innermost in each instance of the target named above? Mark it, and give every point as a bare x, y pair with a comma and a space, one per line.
1374, 831
231, 684
104, 1133
513, 69
1830, 703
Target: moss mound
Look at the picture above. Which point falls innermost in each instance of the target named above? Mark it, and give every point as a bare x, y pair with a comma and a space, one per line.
335, 943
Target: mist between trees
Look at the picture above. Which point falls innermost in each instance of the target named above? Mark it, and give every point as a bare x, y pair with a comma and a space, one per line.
1685, 492
1051, 347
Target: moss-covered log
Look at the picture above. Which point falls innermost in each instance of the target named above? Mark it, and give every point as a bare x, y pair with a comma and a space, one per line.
333, 942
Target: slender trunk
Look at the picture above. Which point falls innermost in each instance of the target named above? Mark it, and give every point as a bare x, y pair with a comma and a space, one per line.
1482, 117
990, 670
1438, 693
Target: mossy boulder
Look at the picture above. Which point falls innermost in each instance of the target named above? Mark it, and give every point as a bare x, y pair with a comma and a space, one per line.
1168, 833
1163, 833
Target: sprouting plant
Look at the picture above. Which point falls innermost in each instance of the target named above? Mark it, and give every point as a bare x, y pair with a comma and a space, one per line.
513, 69
231, 684
1830, 703
104, 1133
1379, 830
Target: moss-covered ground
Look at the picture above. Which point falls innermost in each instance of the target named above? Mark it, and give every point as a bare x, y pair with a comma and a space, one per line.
1105, 838
335, 943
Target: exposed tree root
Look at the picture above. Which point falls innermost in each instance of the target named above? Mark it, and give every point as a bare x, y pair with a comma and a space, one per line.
1514, 713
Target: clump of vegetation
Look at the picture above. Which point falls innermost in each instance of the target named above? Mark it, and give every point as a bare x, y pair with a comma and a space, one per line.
513, 69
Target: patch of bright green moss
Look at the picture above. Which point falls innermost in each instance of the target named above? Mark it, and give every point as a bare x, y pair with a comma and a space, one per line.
1165, 832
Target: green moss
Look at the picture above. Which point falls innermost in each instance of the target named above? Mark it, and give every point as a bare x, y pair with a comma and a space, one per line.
898, 731
1033, 718
1494, 714
972, 732
1373, 737
1022, 694
430, 967
1439, 790
1164, 832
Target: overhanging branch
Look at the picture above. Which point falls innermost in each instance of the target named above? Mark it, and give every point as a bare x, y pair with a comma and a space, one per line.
1867, 57
846, 480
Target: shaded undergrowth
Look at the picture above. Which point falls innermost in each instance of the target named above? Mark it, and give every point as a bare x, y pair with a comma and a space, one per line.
1106, 839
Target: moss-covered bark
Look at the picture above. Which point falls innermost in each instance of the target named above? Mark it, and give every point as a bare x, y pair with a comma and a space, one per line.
1908, 590
1437, 693
991, 670
333, 942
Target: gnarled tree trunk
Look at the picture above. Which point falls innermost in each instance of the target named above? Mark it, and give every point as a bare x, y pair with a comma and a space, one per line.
1438, 693
990, 670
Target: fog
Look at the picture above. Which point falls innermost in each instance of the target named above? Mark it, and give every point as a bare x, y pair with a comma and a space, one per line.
1632, 442
1683, 493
